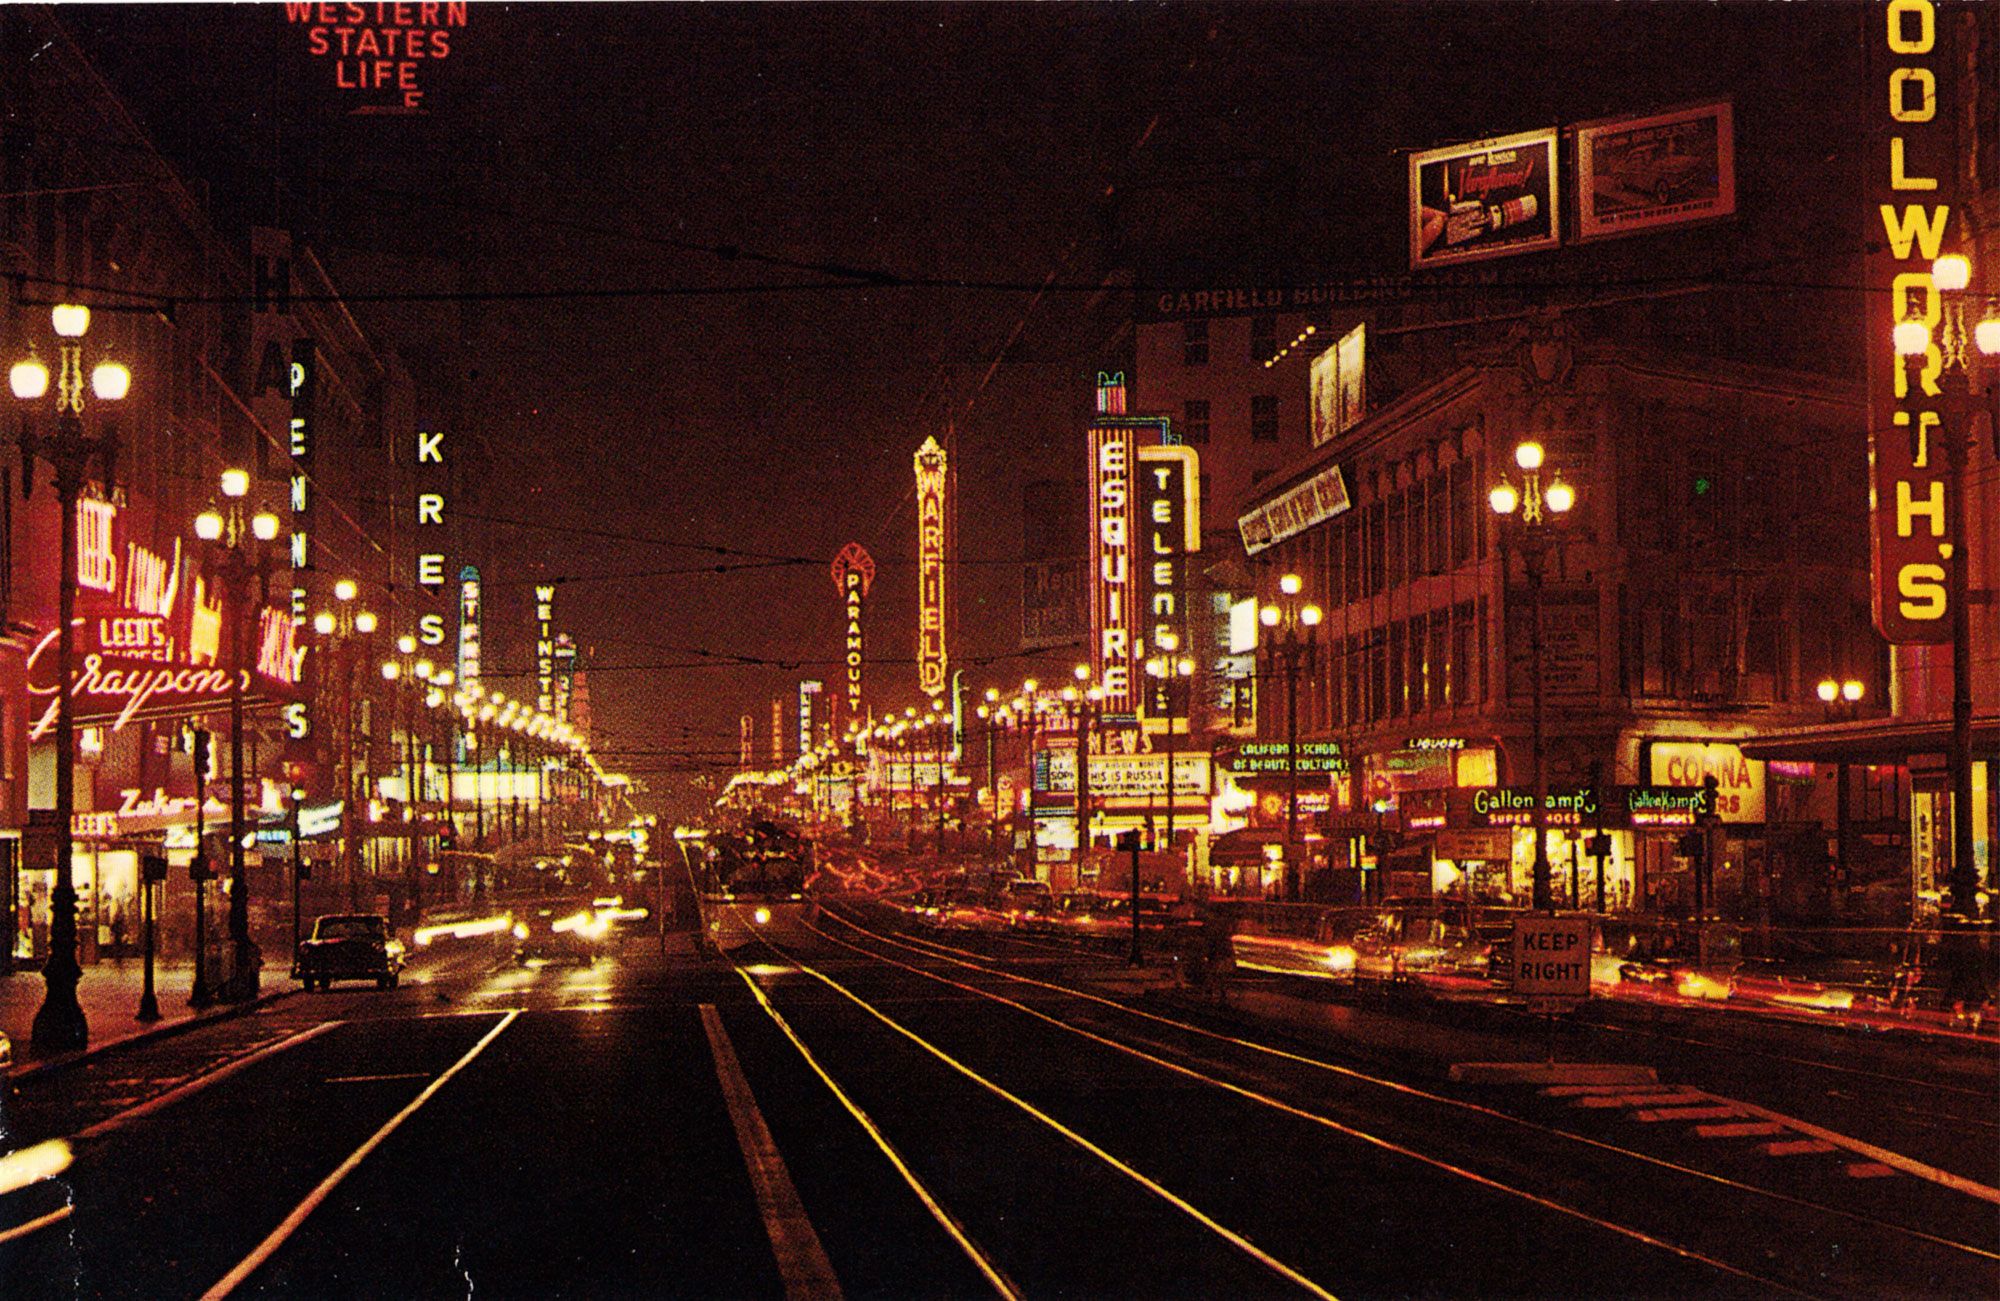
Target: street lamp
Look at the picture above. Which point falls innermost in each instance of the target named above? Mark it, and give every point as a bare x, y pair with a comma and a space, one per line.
1534, 511
992, 713
342, 627
1084, 701
1840, 699
1292, 650
1173, 670
238, 539
60, 1025
1959, 405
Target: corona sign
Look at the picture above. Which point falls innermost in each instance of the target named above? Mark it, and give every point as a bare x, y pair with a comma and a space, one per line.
1911, 166
853, 575
933, 504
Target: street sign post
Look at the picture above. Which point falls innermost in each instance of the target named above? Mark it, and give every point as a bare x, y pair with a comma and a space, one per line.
1552, 962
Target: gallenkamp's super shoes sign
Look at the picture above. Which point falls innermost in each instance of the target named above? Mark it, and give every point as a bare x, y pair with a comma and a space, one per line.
149, 639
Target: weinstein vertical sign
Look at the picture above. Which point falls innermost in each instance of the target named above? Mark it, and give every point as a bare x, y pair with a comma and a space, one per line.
853, 575
933, 513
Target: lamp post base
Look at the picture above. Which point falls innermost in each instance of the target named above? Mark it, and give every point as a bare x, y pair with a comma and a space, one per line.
60, 1026
149, 1007
242, 983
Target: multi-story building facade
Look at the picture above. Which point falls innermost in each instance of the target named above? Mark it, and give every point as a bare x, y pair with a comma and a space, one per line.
1709, 576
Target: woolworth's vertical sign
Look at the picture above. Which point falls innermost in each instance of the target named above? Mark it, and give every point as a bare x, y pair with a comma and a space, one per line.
1910, 170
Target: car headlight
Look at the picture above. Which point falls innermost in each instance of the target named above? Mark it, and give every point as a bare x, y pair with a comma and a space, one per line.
762, 916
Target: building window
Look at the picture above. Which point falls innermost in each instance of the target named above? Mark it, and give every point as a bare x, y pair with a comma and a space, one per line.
1437, 527
1264, 418
1398, 681
1194, 420
1263, 338
1194, 343
1398, 559
1436, 674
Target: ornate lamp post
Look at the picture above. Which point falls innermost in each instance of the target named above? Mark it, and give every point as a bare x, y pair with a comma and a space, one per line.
238, 540
1960, 405
1085, 703
342, 627
1532, 526
1840, 699
1292, 650
1174, 670
59, 1024
991, 712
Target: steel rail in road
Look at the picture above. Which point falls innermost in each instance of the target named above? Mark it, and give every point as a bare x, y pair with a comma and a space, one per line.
1153, 1186
1398, 1087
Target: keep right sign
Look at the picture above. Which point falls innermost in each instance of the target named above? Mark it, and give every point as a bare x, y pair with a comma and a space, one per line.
1552, 957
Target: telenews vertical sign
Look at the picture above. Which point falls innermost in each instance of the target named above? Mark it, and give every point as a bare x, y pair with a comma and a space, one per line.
853, 575
1169, 498
933, 506
1910, 169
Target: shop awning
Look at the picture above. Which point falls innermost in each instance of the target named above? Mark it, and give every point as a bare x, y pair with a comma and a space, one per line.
1871, 740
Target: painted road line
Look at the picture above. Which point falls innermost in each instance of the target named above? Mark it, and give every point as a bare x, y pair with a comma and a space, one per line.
1637, 1099
276, 1238
200, 1082
1797, 1147
1869, 1170
802, 1261
1745, 1129
944, 1218
1894, 1160
371, 1079
1686, 1113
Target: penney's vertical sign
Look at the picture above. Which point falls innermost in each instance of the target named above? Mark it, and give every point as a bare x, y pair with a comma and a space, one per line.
378, 49
1912, 160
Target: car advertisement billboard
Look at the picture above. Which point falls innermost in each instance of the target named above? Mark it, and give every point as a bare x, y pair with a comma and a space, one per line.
1665, 169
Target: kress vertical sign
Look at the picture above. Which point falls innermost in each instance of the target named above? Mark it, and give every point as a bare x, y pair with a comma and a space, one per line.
1169, 532
431, 478
1912, 161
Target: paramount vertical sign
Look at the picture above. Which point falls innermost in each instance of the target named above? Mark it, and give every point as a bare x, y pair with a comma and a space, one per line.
853, 575
1912, 160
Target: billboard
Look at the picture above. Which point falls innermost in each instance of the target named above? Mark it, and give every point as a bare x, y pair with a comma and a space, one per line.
1339, 386
1052, 614
1907, 204
1665, 169
1294, 511
1486, 199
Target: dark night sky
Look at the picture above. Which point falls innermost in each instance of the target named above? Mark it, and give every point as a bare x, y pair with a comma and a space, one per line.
612, 146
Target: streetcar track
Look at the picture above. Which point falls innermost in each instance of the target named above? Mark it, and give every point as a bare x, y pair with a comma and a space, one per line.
1392, 1085
1238, 1240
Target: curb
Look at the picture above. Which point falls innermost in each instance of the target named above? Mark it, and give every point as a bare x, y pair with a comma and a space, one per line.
165, 1030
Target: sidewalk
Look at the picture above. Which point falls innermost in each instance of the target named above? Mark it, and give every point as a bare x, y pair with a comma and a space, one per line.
109, 993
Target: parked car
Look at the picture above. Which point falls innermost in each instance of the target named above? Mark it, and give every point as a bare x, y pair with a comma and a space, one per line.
349, 946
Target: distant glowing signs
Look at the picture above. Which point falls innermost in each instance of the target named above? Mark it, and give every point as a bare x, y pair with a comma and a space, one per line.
853, 575
933, 478
468, 624
808, 692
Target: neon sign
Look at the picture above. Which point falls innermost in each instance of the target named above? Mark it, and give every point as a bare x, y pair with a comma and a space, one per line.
933, 476
1169, 499
468, 624
853, 575
1114, 597
379, 46
1911, 157
545, 646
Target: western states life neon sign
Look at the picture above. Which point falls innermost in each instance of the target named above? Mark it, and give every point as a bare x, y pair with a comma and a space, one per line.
379, 46
932, 504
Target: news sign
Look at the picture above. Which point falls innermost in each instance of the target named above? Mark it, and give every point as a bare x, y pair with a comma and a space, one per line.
1487, 199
